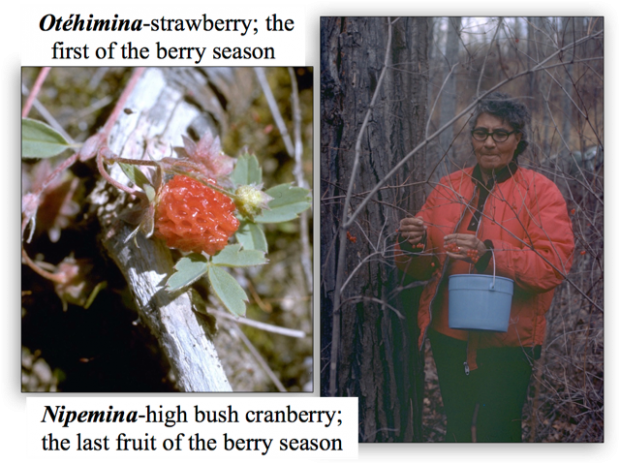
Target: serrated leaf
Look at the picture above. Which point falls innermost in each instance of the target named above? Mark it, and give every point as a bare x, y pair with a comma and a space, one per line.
234, 256
189, 269
251, 236
228, 290
247, 171
287, 203
41, 141
137, 176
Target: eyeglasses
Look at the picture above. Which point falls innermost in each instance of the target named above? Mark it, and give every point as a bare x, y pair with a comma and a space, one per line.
498, 135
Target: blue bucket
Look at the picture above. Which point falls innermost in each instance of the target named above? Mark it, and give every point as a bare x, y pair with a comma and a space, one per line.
479, 302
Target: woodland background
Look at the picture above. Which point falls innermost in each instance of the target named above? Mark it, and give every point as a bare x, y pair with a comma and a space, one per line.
394, 119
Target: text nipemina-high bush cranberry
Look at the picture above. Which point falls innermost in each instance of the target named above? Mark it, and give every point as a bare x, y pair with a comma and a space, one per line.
193, 217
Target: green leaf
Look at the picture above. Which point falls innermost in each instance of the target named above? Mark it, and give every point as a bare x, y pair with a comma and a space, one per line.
287, 203
227, 290
189, 269
138, 178
247, 171
251, 236
150, 192
234, 256
41, 141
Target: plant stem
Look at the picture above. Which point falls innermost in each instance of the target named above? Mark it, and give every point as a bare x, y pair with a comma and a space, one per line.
35, 91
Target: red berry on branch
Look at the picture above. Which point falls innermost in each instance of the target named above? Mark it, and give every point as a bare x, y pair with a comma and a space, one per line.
193, 217
583, 252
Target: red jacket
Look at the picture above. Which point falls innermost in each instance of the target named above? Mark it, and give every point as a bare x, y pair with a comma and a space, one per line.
526, 218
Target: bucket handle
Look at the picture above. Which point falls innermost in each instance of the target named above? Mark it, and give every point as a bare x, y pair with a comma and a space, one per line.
492, 285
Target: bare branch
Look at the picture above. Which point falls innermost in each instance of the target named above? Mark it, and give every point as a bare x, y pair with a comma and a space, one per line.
275, 112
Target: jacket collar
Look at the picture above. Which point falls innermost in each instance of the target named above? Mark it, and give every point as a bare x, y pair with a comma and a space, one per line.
498, 177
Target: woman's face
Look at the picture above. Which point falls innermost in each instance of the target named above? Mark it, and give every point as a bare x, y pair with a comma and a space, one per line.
492, 155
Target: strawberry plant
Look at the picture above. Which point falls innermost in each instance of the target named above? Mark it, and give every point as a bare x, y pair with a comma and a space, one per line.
196, 204
162, 224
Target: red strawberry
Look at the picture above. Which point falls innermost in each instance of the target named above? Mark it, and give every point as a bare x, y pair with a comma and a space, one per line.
193, 217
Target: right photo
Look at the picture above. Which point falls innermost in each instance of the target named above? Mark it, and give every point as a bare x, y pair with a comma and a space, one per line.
462, 228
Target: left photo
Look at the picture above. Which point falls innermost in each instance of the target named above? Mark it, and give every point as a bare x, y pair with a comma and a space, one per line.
166, 229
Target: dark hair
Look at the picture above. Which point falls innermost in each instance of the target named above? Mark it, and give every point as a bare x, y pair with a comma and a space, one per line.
508, 109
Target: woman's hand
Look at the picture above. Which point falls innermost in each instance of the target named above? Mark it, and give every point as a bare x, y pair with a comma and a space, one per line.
464, 243
412, 229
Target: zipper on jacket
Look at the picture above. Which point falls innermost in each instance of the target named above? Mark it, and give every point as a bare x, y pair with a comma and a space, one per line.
466, 364
480, 220
443, 270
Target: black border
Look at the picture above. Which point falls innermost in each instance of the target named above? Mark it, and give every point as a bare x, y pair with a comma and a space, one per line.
588, 451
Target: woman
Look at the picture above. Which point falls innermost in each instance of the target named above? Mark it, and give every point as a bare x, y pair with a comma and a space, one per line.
493, 209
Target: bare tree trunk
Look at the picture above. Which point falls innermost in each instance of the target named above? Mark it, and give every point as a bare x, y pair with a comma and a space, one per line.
430, 39
543, 83
378, 358
531, 61
448, 99
568, 36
